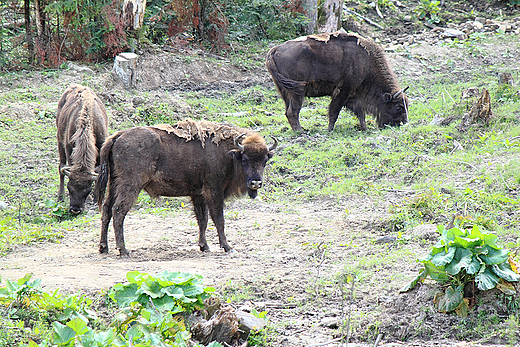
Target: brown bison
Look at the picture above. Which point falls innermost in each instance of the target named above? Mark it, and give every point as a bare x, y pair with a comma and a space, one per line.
82, 124
353, 70
203, 160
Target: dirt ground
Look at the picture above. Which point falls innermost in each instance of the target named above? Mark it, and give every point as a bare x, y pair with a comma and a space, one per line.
289, 256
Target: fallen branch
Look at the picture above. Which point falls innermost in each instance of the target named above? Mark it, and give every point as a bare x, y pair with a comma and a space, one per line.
369, 21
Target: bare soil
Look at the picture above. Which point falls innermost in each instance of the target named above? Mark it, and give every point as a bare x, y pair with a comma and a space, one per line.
288, 257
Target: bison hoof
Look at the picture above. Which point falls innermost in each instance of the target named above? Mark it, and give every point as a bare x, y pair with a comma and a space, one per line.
204, 248
123, 253
103, 249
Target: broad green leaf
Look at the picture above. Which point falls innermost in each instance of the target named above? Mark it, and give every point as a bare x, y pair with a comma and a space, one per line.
504, 270
491, 240
152, 288
62, 333
137, 277
437, 273
474, 266
486, 279
453, 233
466, 242
166, 303
451, 299
78, 325
192, 290
495, 256
105, 338
443, 258
460, 261
175, 292
422, 276
124, 295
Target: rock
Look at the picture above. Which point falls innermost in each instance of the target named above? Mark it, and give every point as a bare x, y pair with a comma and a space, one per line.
3, 205
249, 321
480, 20
79, 68
386, 239
136, 101
478, 26
407, 18
331, 322
453, 33
502, 27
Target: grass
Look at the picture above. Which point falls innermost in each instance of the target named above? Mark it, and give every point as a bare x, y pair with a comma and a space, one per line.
419, 173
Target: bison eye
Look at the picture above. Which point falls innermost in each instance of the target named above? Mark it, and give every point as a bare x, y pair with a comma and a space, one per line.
244, 161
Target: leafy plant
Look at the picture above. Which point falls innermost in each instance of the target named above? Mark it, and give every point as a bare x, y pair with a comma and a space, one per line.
429, 10
464, 256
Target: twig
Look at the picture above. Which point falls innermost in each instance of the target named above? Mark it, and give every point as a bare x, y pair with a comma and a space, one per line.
326, 343
503, 180
449, 95
379, 336
378, 12
364, 18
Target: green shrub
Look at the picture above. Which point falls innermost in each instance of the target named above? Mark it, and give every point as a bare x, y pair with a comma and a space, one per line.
464, 256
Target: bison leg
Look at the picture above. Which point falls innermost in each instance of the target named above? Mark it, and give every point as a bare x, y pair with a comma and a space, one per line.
201, 213
105, 221
339, 97
124, 201
63, 162
293, 105
216, 210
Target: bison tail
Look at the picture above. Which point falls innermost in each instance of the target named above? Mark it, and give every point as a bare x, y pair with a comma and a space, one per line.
104, 168
282, 82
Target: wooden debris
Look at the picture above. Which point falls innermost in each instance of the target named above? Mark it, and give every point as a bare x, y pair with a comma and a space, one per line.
125, 67
480, 112
505, 78
222, 327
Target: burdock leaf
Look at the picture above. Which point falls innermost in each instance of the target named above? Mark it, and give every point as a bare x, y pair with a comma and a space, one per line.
451, 299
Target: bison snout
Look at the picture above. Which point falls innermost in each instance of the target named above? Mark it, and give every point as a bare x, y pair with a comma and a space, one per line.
254, 184
75, 210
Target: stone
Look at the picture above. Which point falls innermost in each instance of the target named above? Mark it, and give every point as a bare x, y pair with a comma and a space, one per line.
478, 26
481, 20
407, 18
453, 33
3, 205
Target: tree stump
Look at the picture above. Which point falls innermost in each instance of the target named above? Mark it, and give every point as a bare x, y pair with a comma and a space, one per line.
480, 112
125, 68
222, 327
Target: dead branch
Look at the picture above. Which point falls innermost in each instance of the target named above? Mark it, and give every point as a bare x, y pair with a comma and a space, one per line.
368, 20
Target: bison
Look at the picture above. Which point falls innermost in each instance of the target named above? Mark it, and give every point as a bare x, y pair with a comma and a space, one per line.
82, 125
206, 161
353, 70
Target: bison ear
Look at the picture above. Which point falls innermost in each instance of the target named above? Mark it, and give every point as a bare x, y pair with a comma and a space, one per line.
235, 153
387, 97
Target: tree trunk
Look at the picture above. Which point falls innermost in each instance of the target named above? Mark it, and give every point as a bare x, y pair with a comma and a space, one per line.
329, 15
311, 9
133, 13
28, 31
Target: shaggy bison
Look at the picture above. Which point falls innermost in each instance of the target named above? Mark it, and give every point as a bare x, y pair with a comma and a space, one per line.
82, 124
203, 160
353, 70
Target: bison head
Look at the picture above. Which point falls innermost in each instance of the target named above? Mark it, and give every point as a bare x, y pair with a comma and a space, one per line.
253, 154
394, 111
79, 187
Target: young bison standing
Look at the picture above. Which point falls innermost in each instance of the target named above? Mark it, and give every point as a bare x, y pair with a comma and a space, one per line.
82, 124
202, 160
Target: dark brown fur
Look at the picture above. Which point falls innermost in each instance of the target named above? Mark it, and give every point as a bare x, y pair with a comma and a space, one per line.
82, 125
196, 159
352, 70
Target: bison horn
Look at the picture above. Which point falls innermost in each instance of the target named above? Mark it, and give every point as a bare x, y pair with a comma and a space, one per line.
273, 146
65, 171
94, 175
399, 92
238, 144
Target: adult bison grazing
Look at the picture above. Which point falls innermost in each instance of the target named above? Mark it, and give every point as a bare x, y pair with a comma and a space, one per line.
82, 124
353, 70
203, 160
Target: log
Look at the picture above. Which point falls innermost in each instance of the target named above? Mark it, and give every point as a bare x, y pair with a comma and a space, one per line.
222, 327
125, 67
